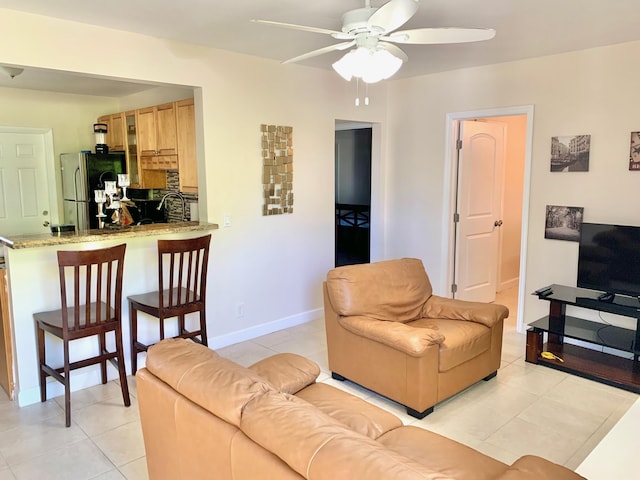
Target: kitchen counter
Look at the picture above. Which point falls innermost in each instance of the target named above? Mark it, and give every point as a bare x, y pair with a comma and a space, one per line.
47, 239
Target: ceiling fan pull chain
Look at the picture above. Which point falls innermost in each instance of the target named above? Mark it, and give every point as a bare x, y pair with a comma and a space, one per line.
357, 92
366, 94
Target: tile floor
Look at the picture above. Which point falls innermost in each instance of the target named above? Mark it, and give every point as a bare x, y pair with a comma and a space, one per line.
526, 409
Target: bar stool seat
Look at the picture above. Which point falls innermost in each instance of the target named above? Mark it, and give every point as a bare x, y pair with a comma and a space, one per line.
91, 300
182, 289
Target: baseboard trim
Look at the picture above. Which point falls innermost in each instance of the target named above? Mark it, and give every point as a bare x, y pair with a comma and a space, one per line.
264, 329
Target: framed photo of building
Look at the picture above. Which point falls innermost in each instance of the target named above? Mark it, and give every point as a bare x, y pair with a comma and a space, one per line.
563, 223
570, 153
634, 151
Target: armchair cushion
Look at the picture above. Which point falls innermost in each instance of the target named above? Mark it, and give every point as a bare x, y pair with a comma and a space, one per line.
463, 340
410, 339
393, 290
287, 372
487, 314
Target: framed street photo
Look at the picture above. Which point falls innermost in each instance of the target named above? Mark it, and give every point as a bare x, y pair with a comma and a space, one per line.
563, 223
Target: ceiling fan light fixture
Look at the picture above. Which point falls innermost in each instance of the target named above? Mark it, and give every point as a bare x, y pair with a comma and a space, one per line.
369, 64
12, 72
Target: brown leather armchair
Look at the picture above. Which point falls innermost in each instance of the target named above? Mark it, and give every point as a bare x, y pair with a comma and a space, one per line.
387, 332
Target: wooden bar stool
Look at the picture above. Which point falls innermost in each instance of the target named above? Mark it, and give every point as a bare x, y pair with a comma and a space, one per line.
182, 275
91, 300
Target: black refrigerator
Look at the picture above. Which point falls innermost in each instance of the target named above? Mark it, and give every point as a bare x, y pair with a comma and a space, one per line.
82, 173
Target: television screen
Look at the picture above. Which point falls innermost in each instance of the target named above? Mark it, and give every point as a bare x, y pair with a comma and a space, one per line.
609, 258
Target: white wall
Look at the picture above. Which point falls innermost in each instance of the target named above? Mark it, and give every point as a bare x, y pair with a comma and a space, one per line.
274, 265
586, 92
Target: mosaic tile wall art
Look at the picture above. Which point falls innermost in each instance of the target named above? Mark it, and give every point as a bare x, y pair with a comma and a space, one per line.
277, 169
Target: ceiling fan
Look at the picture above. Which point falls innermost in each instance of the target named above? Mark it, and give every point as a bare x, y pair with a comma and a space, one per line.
373, 32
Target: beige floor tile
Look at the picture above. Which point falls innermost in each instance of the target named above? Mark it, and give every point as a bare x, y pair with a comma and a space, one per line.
500, 454
476, 420
274, 338
136, 470
78, 461
307, 344
588, 396
111, 475
89, 396
537, 381
123, 444
6, 474
525, 438
20, 443
12, 416
562, 418
246, 353
104, 416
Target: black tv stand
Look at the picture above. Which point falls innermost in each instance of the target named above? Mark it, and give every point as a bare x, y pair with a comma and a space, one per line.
589, 363
607, 297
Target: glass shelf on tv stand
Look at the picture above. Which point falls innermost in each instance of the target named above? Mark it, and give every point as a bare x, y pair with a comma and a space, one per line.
606, 368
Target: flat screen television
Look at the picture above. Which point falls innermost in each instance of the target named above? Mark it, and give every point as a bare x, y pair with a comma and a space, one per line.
609, 258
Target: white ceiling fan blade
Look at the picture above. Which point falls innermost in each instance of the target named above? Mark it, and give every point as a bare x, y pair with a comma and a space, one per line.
441, 35
392, 15
320, 51
304, 28
394, 50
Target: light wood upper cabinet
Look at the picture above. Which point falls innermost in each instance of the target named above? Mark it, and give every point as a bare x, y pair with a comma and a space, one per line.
116, 133
187, 160
146, 131
115, 137
166, 134
157, 139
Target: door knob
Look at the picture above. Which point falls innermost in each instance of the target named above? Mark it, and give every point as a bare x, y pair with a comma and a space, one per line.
45, 223
497, 223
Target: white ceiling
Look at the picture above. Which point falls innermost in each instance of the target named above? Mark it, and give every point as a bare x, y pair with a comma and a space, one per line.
525, 29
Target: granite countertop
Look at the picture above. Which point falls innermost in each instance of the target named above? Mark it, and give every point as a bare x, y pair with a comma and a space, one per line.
63, 238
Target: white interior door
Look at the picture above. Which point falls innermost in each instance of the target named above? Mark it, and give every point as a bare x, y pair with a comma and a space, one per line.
480, 177
24, 193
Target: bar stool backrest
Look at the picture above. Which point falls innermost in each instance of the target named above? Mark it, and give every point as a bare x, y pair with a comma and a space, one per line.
182, 274
91, 287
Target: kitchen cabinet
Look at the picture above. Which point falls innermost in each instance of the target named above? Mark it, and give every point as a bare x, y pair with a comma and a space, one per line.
186, 131
115, 131
156, 139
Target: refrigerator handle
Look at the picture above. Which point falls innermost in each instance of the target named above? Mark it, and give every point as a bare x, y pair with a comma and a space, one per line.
76, 178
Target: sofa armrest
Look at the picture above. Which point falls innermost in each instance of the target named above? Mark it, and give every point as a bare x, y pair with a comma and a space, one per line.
487, 314
410, 340
287, 372
531, 467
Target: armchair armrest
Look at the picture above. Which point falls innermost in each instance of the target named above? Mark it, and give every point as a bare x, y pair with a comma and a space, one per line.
410, 340
487, 314
530, 467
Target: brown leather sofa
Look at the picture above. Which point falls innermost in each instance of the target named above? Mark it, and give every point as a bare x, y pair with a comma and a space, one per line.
205, 417
387, 332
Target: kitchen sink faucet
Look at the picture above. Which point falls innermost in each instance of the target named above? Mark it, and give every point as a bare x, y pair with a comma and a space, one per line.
182, 199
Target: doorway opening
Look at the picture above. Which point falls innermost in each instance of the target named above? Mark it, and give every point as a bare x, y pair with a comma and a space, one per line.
509, 227
353, 151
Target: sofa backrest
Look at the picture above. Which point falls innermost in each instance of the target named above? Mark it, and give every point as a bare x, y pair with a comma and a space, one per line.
393, 290
214, 383
319, 447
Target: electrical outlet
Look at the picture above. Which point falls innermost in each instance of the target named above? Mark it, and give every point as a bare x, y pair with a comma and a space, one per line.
226, 220
239, 310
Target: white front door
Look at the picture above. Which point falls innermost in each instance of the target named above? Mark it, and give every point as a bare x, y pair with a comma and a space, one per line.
24, 193
480, 177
